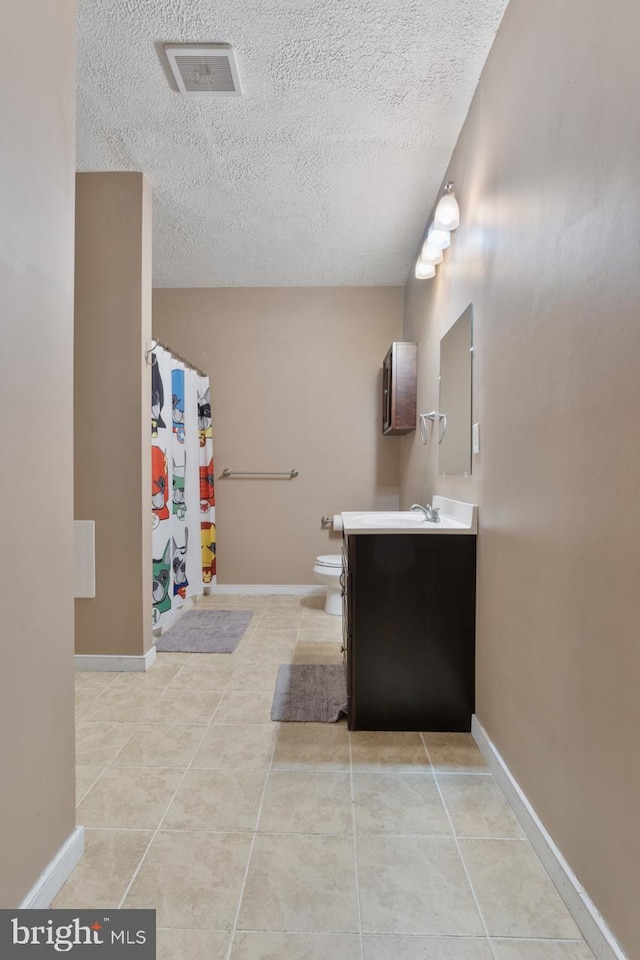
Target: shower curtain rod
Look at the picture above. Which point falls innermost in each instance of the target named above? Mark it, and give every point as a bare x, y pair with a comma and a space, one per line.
187, 363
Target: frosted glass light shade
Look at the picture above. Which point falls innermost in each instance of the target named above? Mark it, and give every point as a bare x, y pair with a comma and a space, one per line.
429, 255
424, 271
447, 213
438, 239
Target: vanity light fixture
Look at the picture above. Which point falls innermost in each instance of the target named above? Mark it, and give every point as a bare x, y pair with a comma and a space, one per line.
424, 271
429, 254
447, 212
446, 219
438, 239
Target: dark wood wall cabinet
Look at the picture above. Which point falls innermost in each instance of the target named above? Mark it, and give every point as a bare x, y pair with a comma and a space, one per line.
409, 631
399, 388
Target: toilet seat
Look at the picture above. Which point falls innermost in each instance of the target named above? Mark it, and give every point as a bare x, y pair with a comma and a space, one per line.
330, 560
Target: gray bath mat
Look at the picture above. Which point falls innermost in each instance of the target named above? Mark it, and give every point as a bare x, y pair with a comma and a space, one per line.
310, 692
205, 631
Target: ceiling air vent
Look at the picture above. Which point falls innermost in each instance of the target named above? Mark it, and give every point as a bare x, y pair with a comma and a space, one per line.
204, 70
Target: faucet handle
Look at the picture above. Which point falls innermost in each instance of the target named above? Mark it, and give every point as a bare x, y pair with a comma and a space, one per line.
435, 514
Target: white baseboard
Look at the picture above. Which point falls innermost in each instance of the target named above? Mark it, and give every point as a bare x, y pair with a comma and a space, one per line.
107, 662
55, 875
274, 589
595, 931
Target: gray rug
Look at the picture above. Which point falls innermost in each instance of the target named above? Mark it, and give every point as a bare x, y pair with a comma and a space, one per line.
310, 692
205, 631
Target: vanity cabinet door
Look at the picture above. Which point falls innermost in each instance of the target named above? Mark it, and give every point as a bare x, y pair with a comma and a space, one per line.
399, 388
347, 618
412, 646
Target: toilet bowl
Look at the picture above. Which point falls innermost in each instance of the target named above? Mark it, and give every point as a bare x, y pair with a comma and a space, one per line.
327, 570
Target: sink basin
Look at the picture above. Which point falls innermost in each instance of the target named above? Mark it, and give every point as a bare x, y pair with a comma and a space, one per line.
389, 518
455, 517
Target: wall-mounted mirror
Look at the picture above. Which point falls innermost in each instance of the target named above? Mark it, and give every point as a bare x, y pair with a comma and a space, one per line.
456, 351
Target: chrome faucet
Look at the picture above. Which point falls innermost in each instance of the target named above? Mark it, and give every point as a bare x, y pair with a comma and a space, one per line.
430, 513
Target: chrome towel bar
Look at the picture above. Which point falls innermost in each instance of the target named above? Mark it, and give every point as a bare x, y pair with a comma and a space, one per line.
289, 474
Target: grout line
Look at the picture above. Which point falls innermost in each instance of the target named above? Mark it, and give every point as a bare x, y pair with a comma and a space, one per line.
173, 796
255, 831
253, 840
355, 847
462, 860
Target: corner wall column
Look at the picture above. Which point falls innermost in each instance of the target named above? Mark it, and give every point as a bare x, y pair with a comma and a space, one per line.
112, 407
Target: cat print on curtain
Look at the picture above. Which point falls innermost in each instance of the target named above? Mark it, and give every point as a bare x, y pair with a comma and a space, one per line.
160, 485
207, 488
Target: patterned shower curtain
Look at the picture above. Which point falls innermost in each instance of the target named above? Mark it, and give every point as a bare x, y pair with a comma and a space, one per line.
182, 519
207, 489
161, 488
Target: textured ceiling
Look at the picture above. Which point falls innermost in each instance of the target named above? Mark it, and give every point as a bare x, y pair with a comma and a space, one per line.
324, 171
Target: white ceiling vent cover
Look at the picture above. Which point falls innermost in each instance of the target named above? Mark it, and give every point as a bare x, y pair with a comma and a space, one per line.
204, 70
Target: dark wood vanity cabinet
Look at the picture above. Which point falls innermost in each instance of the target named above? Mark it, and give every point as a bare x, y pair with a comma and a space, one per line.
399, 388
409, 631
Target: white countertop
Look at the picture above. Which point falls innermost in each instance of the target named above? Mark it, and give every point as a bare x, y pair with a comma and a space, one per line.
456, 516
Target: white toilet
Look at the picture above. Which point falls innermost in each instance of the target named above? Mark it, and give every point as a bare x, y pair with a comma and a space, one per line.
327, 570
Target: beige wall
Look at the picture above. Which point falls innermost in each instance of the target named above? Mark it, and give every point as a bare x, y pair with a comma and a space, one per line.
546, 172
37, 812
295, 380
112, 407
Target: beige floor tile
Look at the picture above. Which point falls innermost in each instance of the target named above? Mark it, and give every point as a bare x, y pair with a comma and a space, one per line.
319, 633
192, 880
86, 696
102, 875
255, 677
312, 746
477, 807
318, 651
455, 753
300, 884
191, 945
95, 682
212, 661
245, 706
298, 801
194, 678
373, 751
426, 948
415, 885
313, 604
541, 950
98, 742
82, 701
161, 745
160, 674
224, 800
265, 655
184, 706
172, 657
276, 637
289, 602
398, 803
117, 705
242, 746
86, 776
514, 892
295, 946
133, 797
273, 625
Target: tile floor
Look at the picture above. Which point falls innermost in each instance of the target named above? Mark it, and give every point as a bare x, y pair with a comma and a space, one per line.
262, 841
